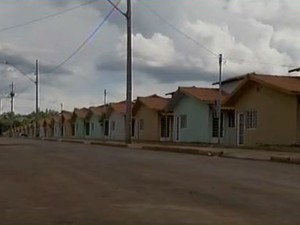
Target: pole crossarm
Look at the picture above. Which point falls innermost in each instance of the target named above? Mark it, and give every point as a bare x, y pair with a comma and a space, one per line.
117, 8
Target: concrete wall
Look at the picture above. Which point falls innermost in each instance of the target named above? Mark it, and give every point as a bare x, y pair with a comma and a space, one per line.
231, 86
96, 130
79, 128
151, 131
119, 132
67, 129
276, 116
198, 121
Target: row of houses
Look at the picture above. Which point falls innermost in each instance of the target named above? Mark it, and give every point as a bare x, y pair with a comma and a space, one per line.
256, 110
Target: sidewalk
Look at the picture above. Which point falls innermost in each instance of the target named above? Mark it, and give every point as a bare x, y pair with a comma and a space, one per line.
289, 155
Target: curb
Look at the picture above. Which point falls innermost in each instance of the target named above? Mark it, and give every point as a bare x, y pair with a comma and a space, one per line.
109, 144
183, 150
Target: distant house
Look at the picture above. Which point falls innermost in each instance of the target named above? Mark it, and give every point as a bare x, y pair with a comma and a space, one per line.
57, 126
152, 121
195, 115
114, 124
49, 130
96, 117
80, 123
267, 110
67, 130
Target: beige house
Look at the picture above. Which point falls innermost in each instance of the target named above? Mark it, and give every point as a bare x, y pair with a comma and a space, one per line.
151, 121
267, 110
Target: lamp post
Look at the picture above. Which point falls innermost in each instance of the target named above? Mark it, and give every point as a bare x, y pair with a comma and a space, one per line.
36, 82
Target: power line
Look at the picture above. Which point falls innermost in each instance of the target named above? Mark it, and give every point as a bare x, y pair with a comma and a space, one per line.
177, 29
85, 41
153, 11
46, 17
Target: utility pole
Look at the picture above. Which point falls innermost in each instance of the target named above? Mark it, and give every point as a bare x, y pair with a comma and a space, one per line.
129, 75
220, 100
36, 97
12, 96
105, 97
1, 106
61, 118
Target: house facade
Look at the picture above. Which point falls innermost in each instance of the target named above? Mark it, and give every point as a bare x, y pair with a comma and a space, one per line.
67, 129
151, 119
114, 123
267, 110
80, 123
96, 117
195, 116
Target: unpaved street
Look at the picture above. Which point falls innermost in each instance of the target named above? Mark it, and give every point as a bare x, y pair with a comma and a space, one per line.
64, 183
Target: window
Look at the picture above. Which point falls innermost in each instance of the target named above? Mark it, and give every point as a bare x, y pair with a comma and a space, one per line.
141, 124
251, 120
215, 125
231, 119
183, 121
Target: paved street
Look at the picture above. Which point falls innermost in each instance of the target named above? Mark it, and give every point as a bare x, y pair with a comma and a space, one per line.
65, 183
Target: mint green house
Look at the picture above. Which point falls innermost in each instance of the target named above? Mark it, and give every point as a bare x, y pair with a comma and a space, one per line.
195, 117
96, 122
81, 126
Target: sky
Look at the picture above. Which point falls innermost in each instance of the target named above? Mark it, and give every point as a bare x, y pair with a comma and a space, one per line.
175, 43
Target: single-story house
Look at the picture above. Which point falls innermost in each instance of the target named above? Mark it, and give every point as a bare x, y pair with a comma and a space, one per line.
80, 123
57, 125
66, 118
195, 114
114, 123
152, 121
96, 117
267, 110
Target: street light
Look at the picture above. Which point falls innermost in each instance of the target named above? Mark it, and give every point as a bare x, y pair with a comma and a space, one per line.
36, 82
128, 17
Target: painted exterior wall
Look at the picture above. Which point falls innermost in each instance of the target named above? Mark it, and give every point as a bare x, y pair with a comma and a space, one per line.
57, 130
151, 124
67, 129
118, 131
79, 128
198, 121
276, 116
96, 130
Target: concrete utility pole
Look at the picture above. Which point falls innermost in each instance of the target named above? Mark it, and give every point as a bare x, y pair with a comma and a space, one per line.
105, 97
220, 100
129, 75
128, 121
36, 97
12, 96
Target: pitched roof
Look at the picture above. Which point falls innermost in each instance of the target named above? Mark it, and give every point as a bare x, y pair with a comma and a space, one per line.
81, 113
98, 110
154, 102
67, 115
119, 107
202, 94
285, 84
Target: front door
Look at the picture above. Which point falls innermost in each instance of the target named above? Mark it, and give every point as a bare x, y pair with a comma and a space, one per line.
241, 128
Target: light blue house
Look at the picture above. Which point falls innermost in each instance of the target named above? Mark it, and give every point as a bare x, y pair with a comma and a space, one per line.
96, 120
195, 116
80, 123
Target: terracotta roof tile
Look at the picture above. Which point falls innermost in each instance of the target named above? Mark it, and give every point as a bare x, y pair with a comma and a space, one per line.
202, 94
289, 84
154, 102
119, 107
98, 110
81, 113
